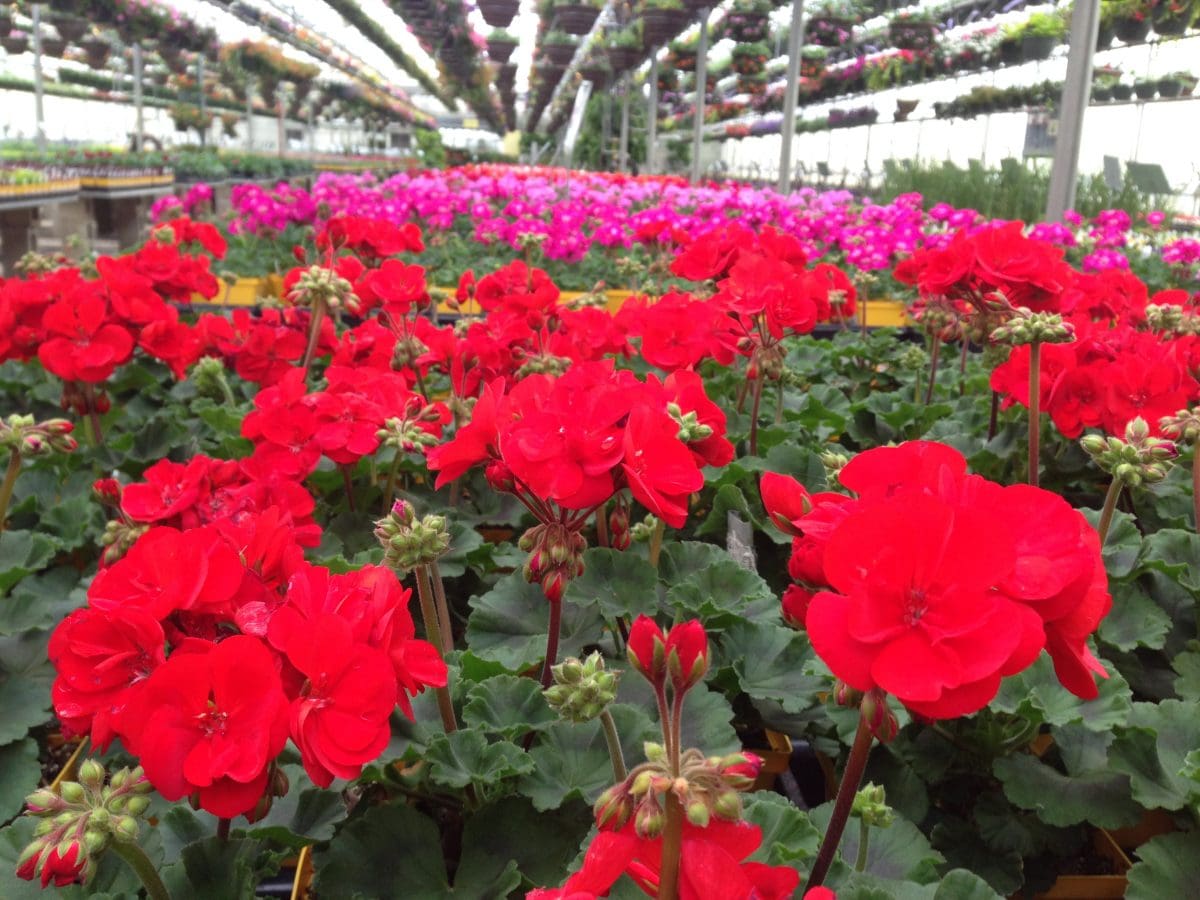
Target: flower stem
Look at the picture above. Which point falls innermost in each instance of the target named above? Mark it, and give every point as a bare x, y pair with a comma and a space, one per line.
443, 609
1110, 505
614, 746
994, 418
656, 541
433, 634
135, 857
314, 334
602, 525
1035, 409
349, 485
672, 842
934, 354
89, 394
223, 828
851, 778
10, 481
389, 487
754, 407
864, 838
1195, 489
555, 626
962, 367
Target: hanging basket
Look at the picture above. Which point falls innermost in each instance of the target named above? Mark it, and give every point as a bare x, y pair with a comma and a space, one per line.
499, 13
6, 24
559, 54
54, 47
1172, 25
506, 75
622, 58
500, 50
71, 28
828, 31
747, 27
660, 25
15, 44
911, 35
684, 60
97, 51
575, 18
1131, 31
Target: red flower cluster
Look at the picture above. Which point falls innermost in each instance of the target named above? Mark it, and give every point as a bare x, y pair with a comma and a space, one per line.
1029, 272
292, 428
575, 440
204, 649
371, 239
712, 865
1105, 378
933, 584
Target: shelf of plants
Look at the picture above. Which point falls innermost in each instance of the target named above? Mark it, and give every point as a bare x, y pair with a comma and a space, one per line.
443, 569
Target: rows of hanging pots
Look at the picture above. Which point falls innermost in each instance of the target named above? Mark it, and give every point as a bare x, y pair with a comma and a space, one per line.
500, 50
558, 54
575, 18
660, 25
498, 13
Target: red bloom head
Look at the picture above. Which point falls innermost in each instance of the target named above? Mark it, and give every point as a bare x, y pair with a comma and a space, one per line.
648, 649
786, 501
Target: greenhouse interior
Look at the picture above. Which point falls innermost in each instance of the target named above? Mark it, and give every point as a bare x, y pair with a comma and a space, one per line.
576, 449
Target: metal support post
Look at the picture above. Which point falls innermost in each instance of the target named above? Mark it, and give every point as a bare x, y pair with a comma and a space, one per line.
39, 122
1077, 90
652, 116
203, 99
791, 88
701, 90
139, 119
623, 153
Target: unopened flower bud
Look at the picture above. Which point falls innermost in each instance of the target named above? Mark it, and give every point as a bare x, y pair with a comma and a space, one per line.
91, 774
72, 792
698, 813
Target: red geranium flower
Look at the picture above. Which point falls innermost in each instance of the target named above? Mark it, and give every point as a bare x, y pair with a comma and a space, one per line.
209, 721
82, 345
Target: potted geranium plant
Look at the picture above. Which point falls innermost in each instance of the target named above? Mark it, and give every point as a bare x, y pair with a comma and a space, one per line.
912, 31
747, 21
812, 61
831, 25
1131, 20
682, 55
1173, 17
749, 59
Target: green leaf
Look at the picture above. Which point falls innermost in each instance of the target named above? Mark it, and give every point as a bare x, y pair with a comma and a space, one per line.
464, 541
1187, 666
1167, 866
23, 553
572, 762
728, 498
25, 678
787, 834
619, 583
305, 815
960, 884
1037, 693
1152, 751
1135, 620
395, 851
215, 869
507, 705
41, 601
771, 662
465, 757
899, 852
542, 844
1122, 545
1101, 798
20, 773
707, 583
1175, 552
508, 625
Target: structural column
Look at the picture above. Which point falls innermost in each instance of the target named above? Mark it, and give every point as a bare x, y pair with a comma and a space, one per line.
1077, 91
139, 118
701, 90
652, 115
38, 113
623, 153
788, 128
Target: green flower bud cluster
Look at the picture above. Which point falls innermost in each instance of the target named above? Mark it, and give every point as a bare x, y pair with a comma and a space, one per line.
321, 285
406, 352
1164, 317
914, 359
581, 690
940, 319
407, 435
409, 542
1137, 460
26, 437
706, 787
596, 298
1183, 427
870, 805
555, 557
119, 536
1027, 327
543, 364
529, 242
208, 375
33, 263
644, 530
690, 427
84, 817
833, 461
